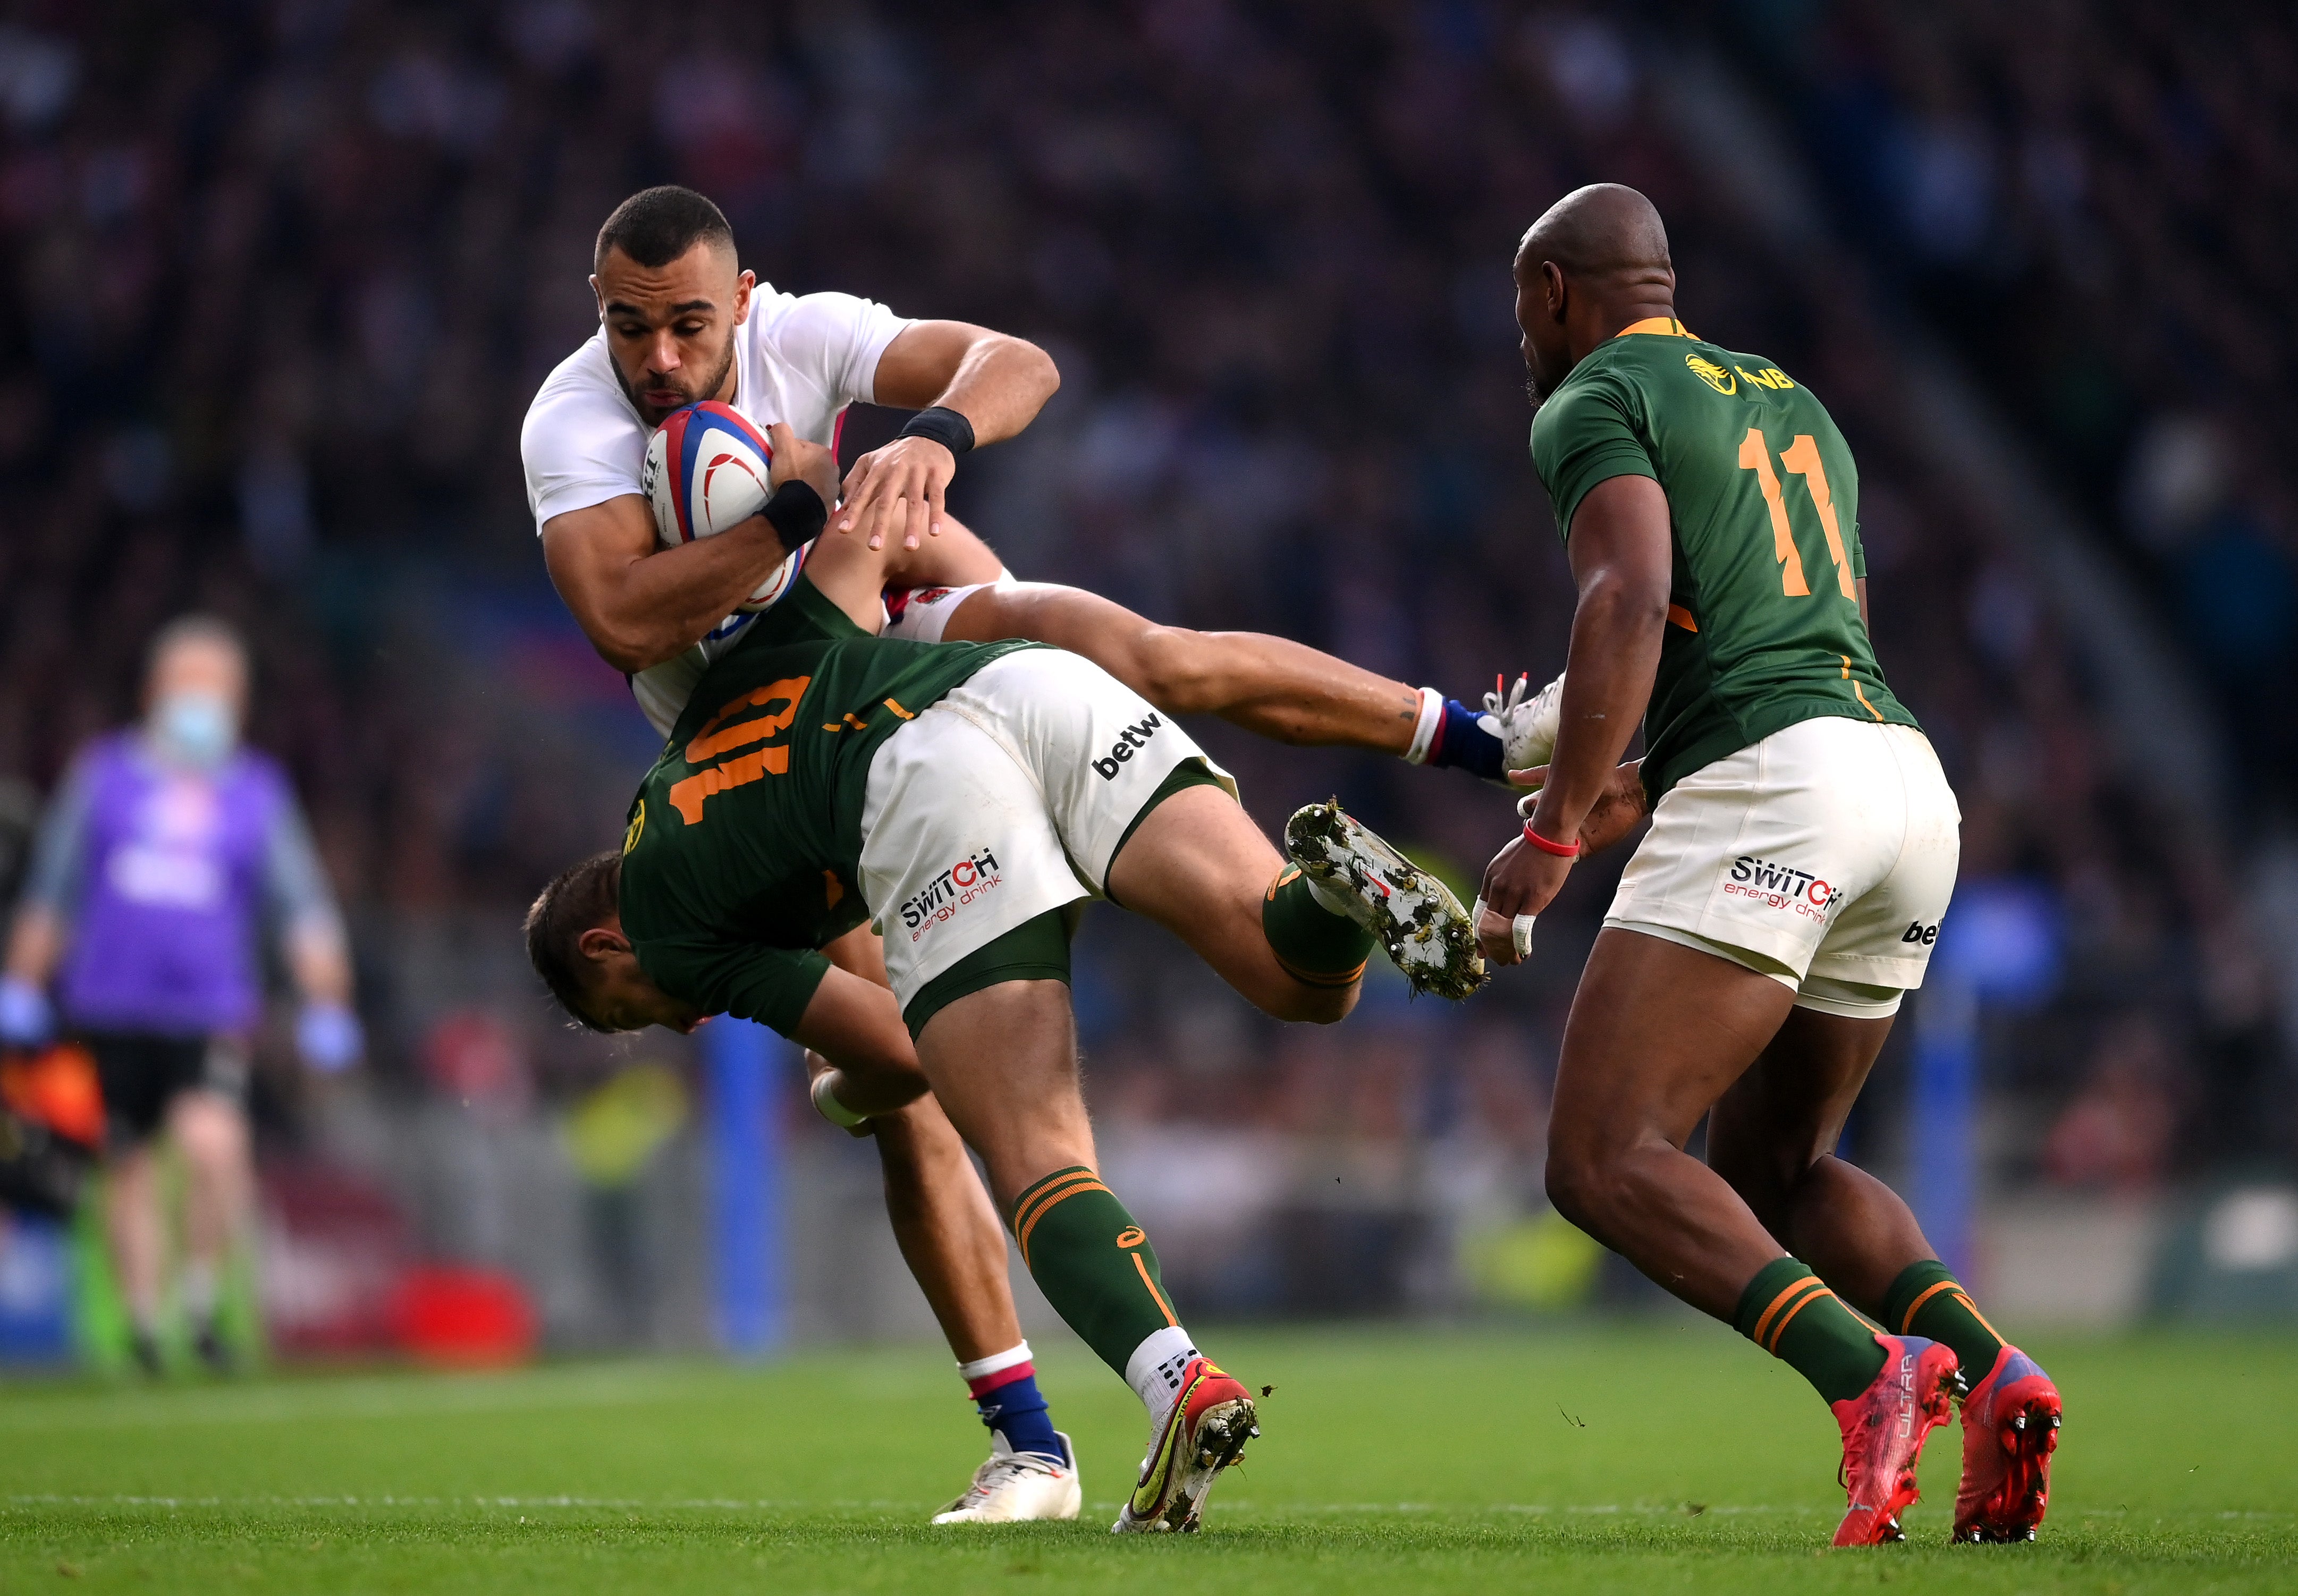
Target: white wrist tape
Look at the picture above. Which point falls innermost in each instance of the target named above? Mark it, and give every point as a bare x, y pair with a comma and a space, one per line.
1423, 731
826, 1103
1520, 927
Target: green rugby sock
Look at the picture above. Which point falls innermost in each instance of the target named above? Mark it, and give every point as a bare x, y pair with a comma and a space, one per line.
1312, 943
1926, 1301
1093, 1263
1787, 1312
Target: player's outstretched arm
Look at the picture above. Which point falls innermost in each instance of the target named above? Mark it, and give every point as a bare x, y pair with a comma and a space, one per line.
977, 387
1273, 686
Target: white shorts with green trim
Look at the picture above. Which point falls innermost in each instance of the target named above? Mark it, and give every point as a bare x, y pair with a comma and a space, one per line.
1006, 799
1823, 857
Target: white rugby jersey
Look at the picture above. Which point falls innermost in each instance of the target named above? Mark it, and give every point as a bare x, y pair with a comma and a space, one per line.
801, 360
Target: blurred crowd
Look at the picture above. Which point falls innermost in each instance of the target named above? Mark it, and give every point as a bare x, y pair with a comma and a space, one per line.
284, 274
2088, 195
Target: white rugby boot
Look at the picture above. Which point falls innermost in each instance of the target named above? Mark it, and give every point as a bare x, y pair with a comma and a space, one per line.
1428, 934
1525, 722
1014, 1486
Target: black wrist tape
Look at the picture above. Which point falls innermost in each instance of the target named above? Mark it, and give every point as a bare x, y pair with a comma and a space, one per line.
945, 426
796, 514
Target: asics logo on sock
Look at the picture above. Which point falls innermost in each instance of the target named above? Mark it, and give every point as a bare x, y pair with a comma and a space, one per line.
1136, 736
968, 879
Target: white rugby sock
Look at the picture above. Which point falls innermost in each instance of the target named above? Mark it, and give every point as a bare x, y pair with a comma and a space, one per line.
1423, 731
1155, 1368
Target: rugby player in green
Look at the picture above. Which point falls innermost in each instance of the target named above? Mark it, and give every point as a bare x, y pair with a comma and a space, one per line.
1802, 853
965, 798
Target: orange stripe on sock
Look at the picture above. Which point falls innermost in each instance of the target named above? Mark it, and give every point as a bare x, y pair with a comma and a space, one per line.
1907, 1324
1787, 1318
1046, 1188
1779, 1302
1028, 1212
1021, 1237
1163, 1306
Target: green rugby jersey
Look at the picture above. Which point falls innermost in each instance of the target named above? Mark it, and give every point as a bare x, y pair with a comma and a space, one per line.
1763, 628
741, 855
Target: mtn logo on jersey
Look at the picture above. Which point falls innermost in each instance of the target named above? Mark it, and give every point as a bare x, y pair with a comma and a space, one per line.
1136, 736
1780, 886
963, 882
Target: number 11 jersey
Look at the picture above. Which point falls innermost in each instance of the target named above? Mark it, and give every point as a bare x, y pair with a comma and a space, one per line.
1763, 623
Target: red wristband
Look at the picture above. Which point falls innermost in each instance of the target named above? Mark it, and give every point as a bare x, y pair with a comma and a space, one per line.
1561, 849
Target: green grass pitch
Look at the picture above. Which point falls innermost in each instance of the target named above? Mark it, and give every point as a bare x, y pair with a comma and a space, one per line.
1643, 1458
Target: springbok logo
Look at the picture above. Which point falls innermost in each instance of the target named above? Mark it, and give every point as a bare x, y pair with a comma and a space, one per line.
1713, 374
637, 828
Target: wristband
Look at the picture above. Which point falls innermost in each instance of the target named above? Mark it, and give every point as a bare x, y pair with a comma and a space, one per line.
1561, 849
944, 425
796, 514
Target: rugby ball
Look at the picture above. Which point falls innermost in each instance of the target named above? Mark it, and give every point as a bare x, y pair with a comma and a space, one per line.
705, 470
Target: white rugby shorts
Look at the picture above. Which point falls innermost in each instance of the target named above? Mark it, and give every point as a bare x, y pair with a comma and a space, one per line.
1823, 857
1005, 800
921, 613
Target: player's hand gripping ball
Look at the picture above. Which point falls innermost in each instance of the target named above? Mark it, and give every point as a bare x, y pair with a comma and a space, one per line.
705, 470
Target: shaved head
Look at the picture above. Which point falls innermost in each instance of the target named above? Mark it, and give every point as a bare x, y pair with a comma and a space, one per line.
1596, 263
1602, 230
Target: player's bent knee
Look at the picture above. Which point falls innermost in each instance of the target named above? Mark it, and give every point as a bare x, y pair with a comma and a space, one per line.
1587, 1180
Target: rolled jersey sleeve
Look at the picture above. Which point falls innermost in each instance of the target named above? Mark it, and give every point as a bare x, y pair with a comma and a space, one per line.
1585, 435
58, 870
835, 340
745, 980
295, 889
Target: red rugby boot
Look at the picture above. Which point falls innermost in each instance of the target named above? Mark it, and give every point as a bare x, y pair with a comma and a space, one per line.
2010, 1429
1883, 1431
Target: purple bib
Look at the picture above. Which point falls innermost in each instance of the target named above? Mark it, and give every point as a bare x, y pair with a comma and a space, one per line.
165, 937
